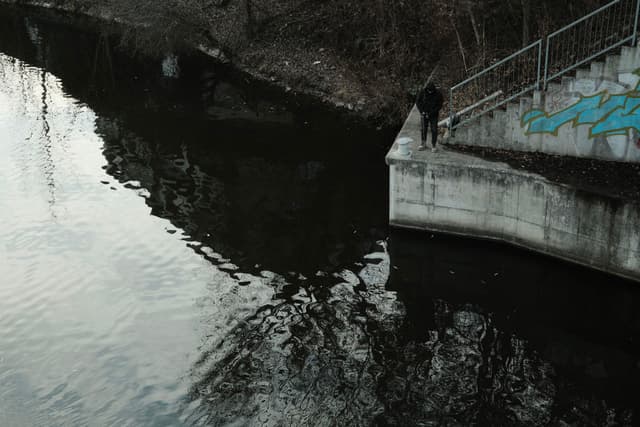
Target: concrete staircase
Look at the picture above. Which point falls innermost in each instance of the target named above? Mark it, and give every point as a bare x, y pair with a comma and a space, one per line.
616, 136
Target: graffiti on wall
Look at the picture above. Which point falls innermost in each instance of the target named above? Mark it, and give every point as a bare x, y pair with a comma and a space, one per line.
606, 114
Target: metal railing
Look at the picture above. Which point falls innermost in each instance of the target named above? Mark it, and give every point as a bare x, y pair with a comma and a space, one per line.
584, 40
587, 38
502, 82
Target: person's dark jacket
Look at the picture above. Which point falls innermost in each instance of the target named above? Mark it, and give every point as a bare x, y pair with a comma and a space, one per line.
429, 100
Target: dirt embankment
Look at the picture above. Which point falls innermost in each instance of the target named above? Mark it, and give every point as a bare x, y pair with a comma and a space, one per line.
316, 74
366, 58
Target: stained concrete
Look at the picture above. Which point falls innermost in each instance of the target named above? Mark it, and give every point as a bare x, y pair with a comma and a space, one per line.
457, 193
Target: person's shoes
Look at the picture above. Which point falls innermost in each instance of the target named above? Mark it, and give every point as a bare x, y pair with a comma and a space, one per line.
434, 149
422, 147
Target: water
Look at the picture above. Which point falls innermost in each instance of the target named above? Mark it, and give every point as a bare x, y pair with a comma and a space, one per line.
195, 251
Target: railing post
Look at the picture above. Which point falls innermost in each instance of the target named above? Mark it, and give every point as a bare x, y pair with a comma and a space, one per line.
635, 24
546, 64
540, 63
451, 112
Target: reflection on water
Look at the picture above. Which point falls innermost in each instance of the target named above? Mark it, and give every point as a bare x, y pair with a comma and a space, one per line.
183, 252
81, 309
262, 209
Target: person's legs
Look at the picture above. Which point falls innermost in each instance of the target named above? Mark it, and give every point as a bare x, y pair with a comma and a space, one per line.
433, 119
423, 136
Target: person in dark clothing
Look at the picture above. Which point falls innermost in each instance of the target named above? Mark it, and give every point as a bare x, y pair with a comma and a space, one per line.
429, 103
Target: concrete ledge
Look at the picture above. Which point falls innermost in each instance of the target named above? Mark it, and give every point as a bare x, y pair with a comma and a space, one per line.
457, 193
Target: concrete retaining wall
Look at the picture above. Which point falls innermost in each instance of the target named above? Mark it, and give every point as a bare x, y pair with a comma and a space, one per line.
593, 114
456, 193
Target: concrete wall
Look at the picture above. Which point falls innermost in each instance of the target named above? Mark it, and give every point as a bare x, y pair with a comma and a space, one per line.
593, 113
456, 193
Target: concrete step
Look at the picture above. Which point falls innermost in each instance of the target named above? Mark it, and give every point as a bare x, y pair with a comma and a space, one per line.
611, 65
470, 134
583, 73
627, 52
460, 135
498, 127
629, 59
500, 116
513, 111
484, 131
567, 83
627, 62
597, 70
526, 104
554, 87
538, 96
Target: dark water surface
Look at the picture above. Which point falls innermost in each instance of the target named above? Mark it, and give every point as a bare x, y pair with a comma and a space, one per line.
179, 248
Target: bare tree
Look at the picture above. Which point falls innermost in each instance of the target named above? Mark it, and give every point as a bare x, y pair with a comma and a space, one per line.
526, 19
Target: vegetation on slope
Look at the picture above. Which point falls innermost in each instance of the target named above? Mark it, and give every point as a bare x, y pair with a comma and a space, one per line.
366, 55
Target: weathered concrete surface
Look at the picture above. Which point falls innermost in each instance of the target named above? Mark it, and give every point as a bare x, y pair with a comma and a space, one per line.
592, 114
457, 193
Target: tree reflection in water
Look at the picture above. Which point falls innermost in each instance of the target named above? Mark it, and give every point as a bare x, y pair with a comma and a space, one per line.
429, 331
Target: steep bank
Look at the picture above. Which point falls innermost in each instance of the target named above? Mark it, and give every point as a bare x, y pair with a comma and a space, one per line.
364, 58
317, 77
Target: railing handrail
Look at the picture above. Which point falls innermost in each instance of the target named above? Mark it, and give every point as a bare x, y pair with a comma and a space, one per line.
583, 61
543, 73
582, 19
494, 66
